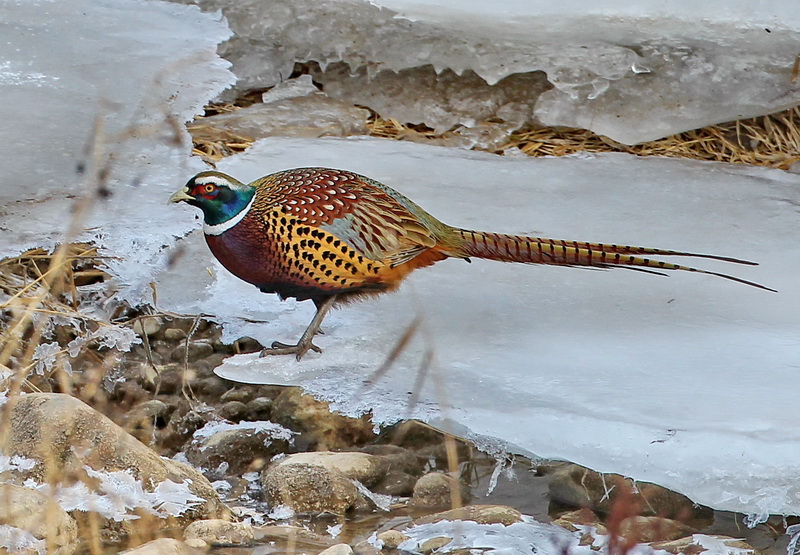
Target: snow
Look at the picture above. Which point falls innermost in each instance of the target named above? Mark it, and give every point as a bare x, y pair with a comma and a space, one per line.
633, 70
687, 381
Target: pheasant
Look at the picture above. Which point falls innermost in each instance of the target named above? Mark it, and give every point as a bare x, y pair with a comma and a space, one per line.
330, 235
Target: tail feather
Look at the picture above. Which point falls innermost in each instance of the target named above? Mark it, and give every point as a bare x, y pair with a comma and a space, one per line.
538, 250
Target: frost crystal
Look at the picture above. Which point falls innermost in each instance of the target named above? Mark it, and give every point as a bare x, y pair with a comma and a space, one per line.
15, 540
45, 356
15, 463
118, 493
272, 430
383, 502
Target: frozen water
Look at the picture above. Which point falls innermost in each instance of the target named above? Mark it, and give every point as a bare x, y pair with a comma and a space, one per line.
632, 70
688, 381
295, 108
101, 86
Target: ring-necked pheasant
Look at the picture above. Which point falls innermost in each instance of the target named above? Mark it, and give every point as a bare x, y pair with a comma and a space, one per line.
327, 235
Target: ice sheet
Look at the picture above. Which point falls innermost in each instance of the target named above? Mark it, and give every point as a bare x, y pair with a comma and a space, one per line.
688, 381
101, 87
631, 70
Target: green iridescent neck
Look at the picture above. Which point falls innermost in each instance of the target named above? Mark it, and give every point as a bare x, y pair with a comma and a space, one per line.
226, 207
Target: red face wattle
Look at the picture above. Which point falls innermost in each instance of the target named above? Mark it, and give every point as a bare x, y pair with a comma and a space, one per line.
207, 190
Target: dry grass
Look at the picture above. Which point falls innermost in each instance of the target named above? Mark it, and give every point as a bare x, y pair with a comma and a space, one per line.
772, 140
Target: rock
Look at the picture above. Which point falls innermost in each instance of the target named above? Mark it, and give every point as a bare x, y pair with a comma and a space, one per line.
395, 483
319, 427
242, 449
144, 414
434, 490
482, 514
196, 350
577, 486
149, 325
309, 488
63, 436
299, 538
645, 529
36, 513
174, 335
363, 467
338, 549
580, 517
695, 545
259, 408
233, 411
392, 538
164, 546
397, 458
365, 548
434, 544
220, 531
241, 394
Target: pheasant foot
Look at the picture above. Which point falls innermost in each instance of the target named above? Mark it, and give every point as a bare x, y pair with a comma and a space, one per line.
301, 348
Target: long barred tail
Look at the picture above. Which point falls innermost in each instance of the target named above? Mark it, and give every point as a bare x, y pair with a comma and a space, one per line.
537, 250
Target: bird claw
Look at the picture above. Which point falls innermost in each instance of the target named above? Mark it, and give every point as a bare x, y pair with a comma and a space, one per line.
298, 350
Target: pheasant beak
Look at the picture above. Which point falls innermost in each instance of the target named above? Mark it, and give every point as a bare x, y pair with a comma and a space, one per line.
182, 195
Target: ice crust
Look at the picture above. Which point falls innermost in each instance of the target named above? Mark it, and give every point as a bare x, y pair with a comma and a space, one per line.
632, 70
102, 86
687, 381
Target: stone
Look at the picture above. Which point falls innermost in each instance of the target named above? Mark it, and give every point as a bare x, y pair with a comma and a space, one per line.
645, 529
233, 411
365, 548
241, 449
482, 514
309, 488
319, 427
392, 538
63, 435
299, 538
259, 408
434, 544
397, 458
164, 546
241, 394
338, 549
365, 468
434, 490
148, 325
196, 350
220, 531
174, 334
692, 545
583, 517
395, 483
576, 486
36, 513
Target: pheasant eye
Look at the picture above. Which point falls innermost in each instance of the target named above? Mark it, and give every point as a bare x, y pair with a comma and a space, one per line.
209, 188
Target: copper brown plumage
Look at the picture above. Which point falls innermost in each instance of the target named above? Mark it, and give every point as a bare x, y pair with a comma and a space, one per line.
326, 235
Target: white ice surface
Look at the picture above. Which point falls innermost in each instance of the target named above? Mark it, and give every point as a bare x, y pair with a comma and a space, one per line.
689, 381
633, 70
142, 68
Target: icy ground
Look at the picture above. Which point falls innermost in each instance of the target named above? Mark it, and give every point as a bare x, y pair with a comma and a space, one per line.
688, 381
634, 70
100, 87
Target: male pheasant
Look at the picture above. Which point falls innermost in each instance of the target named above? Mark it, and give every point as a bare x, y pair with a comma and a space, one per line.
329, 235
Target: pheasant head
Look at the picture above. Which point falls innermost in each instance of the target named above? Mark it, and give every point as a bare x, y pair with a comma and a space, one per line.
223, 199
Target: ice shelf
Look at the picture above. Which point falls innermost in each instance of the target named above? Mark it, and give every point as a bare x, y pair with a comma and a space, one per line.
631, 70
688, 381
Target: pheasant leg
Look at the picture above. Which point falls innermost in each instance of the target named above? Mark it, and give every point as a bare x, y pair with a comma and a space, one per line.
305, 343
